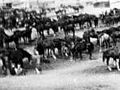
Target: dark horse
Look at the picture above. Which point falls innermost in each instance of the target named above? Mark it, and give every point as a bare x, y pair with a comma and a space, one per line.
26, 34
15, 57
7, 39
69, 28
91, 34
83, 46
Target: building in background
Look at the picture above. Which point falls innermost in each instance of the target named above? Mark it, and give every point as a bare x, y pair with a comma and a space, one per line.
90, 6
101, 4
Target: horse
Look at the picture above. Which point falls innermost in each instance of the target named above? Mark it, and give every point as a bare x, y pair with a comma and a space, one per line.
81, 46
104, 41
110, 30
87, 35
85, 18
48, 46
39, 52
25, 34
58, 43
115, 35
39, 27
94, 19
65, 51
54, 26
68, 28
15, 56
7, 39
114, 53
7, 66
109, 20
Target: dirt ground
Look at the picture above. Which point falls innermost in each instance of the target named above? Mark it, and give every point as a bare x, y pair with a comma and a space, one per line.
79, 75
67, 75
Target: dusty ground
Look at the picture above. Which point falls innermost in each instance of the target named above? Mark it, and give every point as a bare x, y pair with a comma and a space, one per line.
79, 75
66, 75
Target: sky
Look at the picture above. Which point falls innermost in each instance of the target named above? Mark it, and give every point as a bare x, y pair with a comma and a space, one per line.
68, 1
61, 0
89, 9
58, 2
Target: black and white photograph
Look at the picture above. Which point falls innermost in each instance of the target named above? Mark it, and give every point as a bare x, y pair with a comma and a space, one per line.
59, 44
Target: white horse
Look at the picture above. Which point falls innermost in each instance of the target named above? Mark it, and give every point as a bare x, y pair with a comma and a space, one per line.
104, 39
112, 52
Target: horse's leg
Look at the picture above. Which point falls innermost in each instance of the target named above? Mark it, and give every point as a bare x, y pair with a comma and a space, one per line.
61, 52
118, 64
100, 50
90, 54
4, 66
38, 63
107, 62
114, 62
80, 26
21, 63
100, 45
29, 38
16, 43
72, 55
7, 45
114, 41
23, 39
65, 35
66, 54
75, 55
42, 33
80, 55
15, 68
103, 59
1, 43
90, 23
48, 53
48, 32
53, 55
20, 69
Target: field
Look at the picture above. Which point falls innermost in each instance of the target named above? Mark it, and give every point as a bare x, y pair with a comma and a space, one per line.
67, 75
